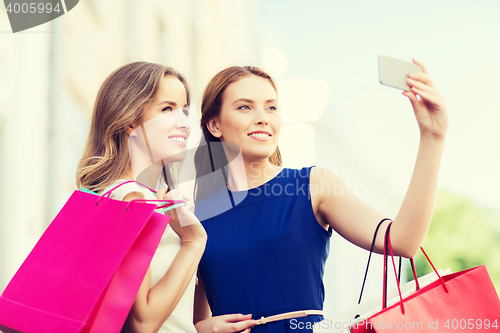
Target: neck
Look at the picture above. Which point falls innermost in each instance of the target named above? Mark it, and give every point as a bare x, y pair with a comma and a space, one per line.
247, 174
149, 176
142, 167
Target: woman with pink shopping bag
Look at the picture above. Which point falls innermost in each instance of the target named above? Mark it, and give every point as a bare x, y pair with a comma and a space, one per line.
137, 102
89, 269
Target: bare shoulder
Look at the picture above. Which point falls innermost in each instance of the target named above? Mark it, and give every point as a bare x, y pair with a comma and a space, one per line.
328, 187
133, 196
130, 191
327, 190
321, 175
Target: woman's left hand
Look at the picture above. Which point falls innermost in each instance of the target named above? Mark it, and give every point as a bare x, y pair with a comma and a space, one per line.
430, 108
183, 221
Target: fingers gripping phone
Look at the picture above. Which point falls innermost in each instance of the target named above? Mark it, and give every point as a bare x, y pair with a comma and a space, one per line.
393, 72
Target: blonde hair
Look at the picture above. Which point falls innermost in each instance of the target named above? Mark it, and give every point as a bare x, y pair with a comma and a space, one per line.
121, 101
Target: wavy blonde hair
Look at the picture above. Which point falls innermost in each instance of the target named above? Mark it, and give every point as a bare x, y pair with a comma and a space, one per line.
121, 101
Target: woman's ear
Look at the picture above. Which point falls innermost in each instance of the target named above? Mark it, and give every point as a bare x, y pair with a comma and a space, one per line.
213, 127
130, 129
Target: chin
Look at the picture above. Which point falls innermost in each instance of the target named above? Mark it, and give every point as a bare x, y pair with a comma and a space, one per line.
174, 155
260, 155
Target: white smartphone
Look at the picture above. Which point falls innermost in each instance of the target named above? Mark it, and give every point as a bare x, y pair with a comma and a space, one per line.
393, 72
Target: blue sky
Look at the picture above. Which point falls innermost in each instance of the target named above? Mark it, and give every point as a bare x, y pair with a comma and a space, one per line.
337, 43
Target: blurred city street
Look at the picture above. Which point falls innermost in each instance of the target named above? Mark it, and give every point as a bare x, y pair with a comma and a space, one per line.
323, 55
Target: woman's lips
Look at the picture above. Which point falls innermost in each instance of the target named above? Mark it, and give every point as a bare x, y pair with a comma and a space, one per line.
180, 140
260, 135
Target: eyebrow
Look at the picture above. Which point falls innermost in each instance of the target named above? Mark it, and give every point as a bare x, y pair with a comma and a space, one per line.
250, 101
168, 102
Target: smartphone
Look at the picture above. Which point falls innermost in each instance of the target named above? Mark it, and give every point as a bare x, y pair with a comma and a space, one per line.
393, 72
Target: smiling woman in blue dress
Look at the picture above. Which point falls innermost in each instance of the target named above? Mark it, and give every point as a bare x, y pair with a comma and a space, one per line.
265, 256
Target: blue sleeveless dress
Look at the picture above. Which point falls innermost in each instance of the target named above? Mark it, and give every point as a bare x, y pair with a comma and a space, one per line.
266, 255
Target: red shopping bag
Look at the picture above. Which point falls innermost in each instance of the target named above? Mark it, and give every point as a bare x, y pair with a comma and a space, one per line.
85, 271
466, 300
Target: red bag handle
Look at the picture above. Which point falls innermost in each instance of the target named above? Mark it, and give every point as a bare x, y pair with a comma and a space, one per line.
369, 258
388, 246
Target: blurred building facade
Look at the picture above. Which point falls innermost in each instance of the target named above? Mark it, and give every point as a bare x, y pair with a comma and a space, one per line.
49, 77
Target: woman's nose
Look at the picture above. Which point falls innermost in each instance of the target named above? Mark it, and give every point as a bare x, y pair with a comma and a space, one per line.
261, 117
181, 119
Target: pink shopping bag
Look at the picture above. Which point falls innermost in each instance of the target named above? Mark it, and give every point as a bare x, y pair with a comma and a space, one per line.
85, 271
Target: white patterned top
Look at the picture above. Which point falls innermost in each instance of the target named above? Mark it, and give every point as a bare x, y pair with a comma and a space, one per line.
181, 319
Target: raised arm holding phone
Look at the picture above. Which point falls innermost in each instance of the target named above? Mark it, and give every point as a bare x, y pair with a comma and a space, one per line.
265, 257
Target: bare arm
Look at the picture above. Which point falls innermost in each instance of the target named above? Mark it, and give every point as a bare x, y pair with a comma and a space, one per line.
154, 305
201, 307
414, 217
355, 220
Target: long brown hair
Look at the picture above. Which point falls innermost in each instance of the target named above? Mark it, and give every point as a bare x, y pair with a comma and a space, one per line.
212, 157
121, 101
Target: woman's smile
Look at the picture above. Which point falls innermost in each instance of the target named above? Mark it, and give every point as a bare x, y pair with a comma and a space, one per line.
260, 135
179, 139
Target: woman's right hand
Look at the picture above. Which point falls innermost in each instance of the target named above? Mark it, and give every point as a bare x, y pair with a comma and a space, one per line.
226, 324
183, 221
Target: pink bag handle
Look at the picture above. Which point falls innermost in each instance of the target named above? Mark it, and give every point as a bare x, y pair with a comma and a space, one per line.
108, 193
167, 203
389, 245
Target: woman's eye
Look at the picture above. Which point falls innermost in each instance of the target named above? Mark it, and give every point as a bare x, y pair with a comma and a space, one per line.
244, 107
168, 108
186, 111
272, 108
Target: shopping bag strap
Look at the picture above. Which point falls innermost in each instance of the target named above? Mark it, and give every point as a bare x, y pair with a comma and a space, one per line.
108, 193
370, 256
166, 204
435, 270
400, 262
387, 250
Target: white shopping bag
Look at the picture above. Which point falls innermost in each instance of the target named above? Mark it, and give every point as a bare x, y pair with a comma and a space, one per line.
341, 323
